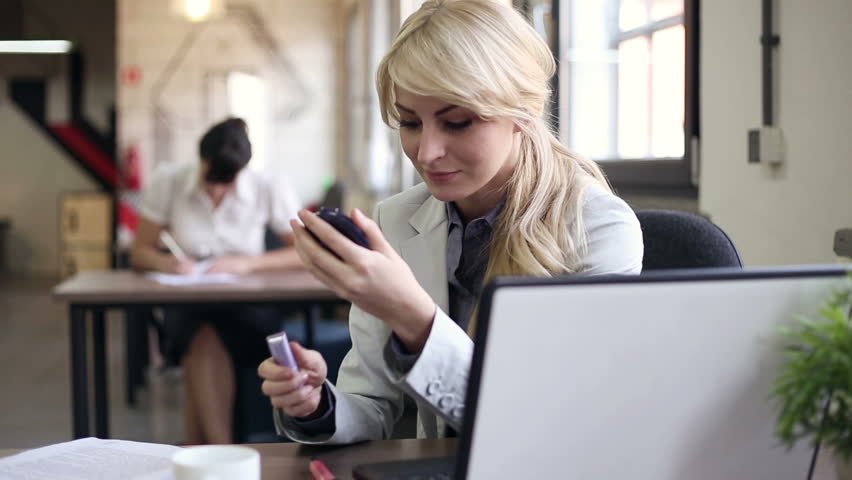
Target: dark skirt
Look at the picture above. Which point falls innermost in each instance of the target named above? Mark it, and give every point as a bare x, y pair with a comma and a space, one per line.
243, 330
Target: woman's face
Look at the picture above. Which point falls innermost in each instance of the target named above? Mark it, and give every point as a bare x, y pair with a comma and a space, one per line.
461, 157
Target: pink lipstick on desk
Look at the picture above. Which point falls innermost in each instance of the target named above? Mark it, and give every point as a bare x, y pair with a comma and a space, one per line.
320, 471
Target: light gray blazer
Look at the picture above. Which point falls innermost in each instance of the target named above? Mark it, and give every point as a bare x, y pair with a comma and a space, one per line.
369, 393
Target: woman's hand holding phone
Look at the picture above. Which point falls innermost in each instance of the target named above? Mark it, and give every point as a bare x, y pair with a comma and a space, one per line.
377, 280
296, 391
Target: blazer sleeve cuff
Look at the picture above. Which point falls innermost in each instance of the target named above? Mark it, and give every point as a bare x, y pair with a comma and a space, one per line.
353, 421
439, 375
397, 357
311, 431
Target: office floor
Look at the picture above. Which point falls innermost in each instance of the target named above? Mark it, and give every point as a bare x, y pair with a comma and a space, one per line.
35, 404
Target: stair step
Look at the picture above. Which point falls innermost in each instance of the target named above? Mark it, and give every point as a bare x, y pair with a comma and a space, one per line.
88, 151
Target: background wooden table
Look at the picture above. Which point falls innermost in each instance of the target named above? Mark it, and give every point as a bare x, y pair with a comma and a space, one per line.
97, 291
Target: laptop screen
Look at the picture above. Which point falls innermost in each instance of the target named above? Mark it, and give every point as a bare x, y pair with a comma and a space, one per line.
664, 376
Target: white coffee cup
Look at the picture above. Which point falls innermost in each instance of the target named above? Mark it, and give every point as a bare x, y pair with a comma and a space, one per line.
216, 462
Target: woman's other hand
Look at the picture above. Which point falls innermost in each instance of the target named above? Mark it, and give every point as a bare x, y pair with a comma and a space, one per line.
378, 280
298, 393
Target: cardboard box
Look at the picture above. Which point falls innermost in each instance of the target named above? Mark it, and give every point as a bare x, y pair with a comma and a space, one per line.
73, 261
86, 221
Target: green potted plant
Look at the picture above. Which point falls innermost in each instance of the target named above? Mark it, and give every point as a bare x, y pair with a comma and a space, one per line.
814, 386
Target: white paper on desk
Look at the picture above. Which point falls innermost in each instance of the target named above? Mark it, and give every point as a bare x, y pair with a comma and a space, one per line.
192, 279
92, 458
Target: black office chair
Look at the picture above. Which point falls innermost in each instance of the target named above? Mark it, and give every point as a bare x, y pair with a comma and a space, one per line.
334, 195
684, 240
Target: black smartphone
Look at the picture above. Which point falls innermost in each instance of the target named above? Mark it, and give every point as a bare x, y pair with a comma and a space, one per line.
344, 225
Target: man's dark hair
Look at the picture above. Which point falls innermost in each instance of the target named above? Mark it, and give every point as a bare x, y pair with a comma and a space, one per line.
226, 149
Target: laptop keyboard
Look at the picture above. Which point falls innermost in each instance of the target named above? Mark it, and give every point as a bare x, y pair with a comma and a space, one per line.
438, 476
421, 469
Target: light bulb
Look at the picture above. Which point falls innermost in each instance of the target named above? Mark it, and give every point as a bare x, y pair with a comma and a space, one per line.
197, 10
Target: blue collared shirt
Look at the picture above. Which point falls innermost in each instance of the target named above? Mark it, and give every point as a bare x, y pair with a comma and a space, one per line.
467, 258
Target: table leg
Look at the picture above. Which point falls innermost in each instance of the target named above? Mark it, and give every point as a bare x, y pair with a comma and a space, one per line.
100, 380
79, 373
135, 330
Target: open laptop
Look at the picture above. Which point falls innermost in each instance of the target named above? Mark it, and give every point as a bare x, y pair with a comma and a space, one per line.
663, 376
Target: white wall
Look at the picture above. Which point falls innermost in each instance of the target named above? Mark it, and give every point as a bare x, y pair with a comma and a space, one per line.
303, 146
33, 175
789, 216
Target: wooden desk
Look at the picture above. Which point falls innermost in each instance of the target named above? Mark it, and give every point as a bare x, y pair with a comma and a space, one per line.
290, 460
97, 292
8, 452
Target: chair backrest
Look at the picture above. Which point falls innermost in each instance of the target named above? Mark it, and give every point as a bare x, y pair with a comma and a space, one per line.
271, 240
334, 195
683, 240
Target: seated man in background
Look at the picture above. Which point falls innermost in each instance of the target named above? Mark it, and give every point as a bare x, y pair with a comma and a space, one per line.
219, 209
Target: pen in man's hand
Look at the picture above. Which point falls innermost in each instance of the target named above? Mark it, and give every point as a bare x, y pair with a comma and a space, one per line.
320, 471
172, 245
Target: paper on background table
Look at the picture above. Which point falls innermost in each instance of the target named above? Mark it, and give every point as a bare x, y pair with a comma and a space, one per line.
192, 279
199, 276
92, 458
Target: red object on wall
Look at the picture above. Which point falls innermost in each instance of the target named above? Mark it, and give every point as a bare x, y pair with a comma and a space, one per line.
130, 191
127, 216
131, 75
132, 169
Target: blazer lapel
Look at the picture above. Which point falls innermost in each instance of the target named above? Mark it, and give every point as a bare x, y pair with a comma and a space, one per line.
426, 252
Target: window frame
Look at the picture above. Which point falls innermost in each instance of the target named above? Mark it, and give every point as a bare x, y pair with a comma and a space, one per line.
674, 172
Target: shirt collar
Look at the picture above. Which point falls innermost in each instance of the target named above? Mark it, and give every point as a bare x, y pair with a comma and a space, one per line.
490, 218
243, 186
192, 180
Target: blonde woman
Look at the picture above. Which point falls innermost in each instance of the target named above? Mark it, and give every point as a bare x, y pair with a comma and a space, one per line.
466, 83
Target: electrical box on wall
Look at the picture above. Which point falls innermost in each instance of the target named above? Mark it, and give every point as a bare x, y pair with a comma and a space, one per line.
766, 146
843, 242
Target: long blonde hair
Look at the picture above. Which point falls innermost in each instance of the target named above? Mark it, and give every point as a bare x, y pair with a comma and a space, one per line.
484, 56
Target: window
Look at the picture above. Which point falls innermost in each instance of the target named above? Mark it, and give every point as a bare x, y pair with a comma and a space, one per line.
247, 99
627, 86
239, 94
